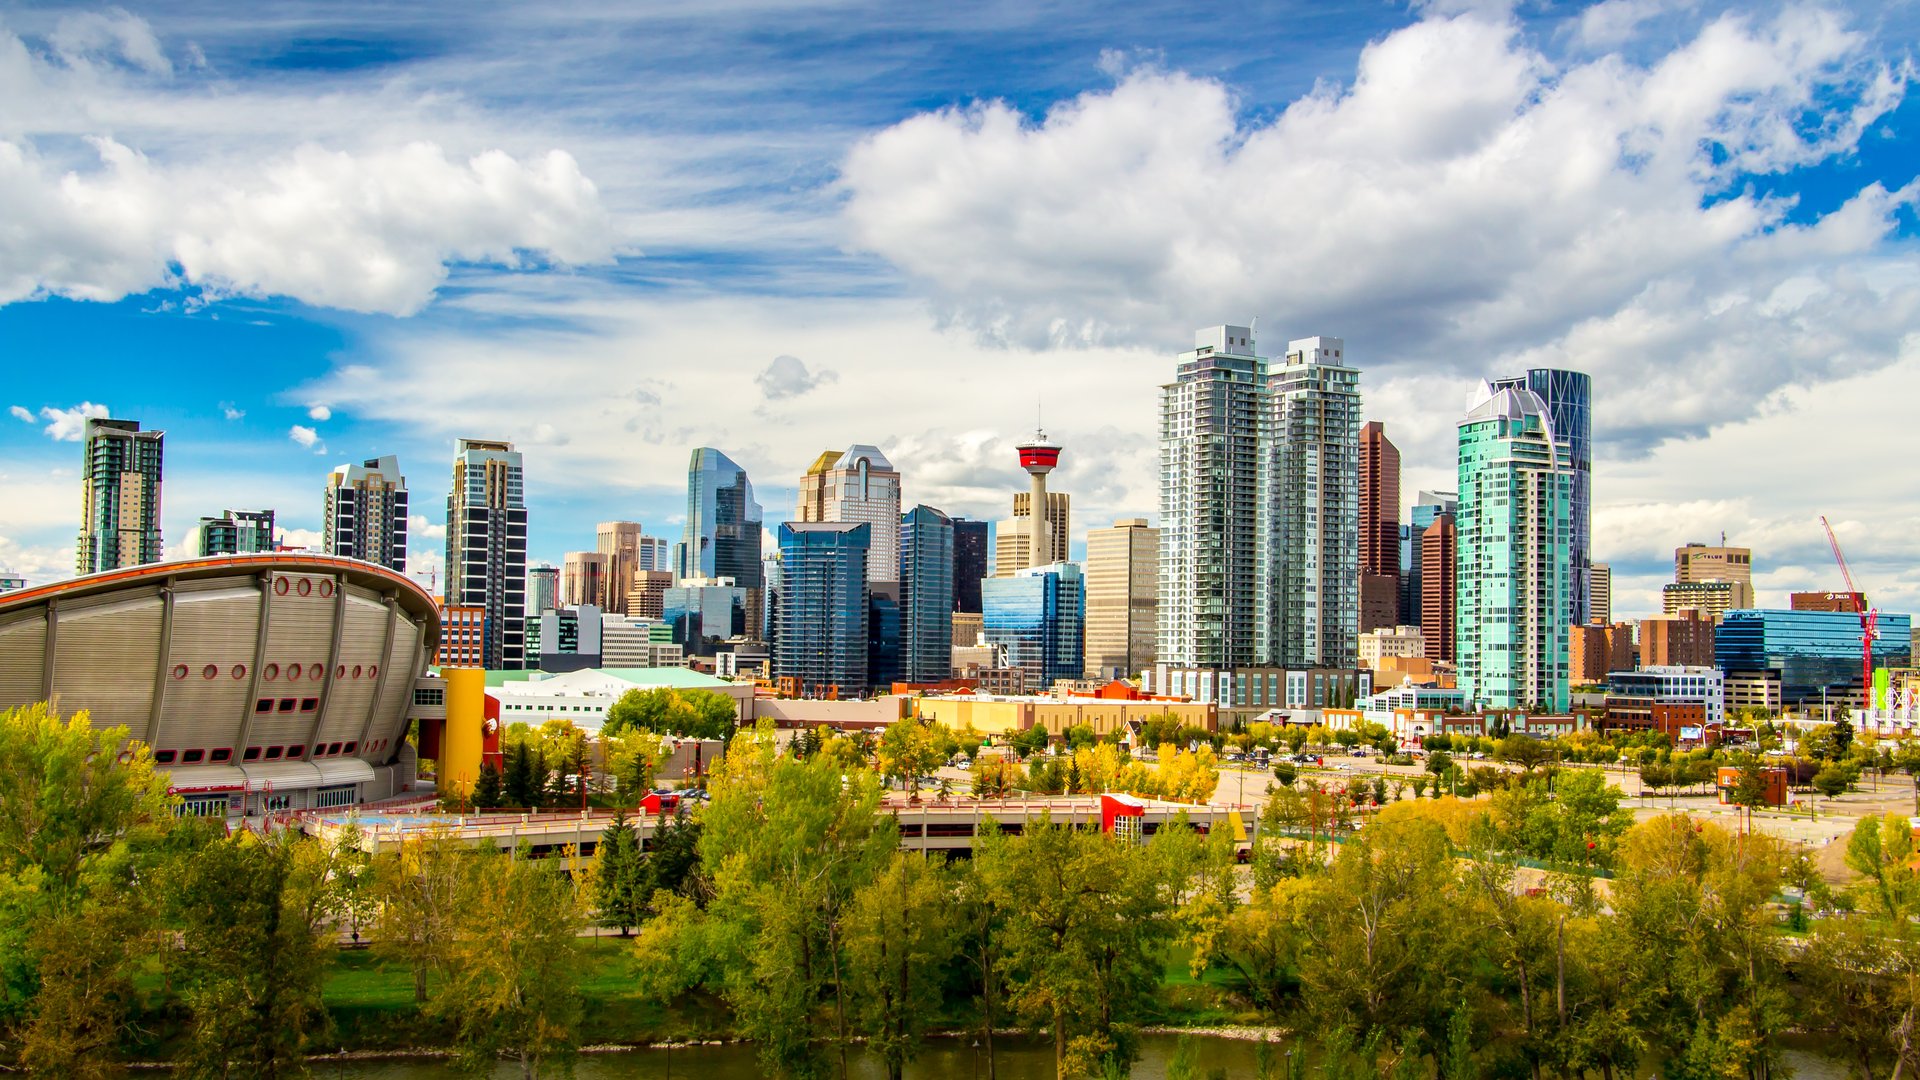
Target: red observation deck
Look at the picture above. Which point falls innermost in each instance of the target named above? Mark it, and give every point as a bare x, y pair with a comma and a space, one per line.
1039, 457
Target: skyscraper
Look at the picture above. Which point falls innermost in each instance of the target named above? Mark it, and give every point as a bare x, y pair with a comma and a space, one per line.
1122, 582
1697, 564
722, 535
543, 588
585, 578
1427, 505
822, 642
237, 532
1214, 511
969, 563
1600, 593
655, 554
1568, 397
926, 595
1316, 505
1515, 562
1027, 539
1379, 528
857, 484
487, 546
119, 496
366, 512
619, 541
1039, 616
1439, 587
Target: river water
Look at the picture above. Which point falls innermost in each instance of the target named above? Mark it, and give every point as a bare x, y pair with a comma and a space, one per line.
940, 1059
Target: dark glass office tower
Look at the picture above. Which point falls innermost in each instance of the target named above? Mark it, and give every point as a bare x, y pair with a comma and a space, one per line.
969, 563
927, 586
822, 641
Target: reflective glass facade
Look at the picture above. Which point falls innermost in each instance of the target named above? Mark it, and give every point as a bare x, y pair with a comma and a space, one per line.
1569, 399
703, 615
927, 539
1811, 650
722, 537
1039, 615
821, 637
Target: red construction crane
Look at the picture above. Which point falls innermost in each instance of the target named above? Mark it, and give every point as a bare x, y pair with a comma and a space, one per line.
1869, 618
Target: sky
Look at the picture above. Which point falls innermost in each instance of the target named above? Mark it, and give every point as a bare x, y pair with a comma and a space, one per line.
294, 235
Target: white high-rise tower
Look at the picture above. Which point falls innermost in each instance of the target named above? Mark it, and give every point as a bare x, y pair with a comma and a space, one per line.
1316, 505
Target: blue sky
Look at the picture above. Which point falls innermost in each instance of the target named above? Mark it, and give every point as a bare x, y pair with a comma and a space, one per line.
293, 235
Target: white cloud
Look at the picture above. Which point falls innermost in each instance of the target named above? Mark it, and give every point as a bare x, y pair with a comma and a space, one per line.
303, 538
304, 436
21, 413
1457, 208
320, 412
788, 377
68, 425
230, 412
114, 35
419, 528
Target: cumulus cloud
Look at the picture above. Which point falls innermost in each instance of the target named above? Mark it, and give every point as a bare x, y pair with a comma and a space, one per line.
788, 377
231, 413
1462, 204
68, 425
419, 528
21, 414
319, 412
304, 436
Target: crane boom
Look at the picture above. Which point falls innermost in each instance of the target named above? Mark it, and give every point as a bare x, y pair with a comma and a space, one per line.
1869, 619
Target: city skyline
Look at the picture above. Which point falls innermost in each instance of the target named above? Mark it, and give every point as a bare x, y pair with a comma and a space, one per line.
1738, 307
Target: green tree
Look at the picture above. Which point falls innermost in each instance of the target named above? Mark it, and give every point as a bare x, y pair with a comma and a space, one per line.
688, 714
419, 889
1084, 918
906, 752
513, 970
519, 783
1286, 773
1522, 750
900, 935
254, 945
619, 876
489, 791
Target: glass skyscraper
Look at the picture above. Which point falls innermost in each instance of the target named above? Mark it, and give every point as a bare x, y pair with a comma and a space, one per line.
722, 534
1316, 506
822, 641
487, 547
926, 595
970, 543
1039, 616
1568, 396
1515, 599
1811, 650
120, 494
704, 614
1215, 509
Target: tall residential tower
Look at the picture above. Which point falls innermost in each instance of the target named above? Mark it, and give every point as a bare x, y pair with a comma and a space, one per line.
1316, 505
119, 497
487, 546
366, 512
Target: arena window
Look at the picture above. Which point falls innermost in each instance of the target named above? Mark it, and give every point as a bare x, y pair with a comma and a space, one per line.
352, 747
273, 753
310, 704
163, 757
296, 751
287, 704
264, 705
251, 753
192, 757
221, 753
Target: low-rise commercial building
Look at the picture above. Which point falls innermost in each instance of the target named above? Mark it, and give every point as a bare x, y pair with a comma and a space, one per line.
1005, 715
1676, 700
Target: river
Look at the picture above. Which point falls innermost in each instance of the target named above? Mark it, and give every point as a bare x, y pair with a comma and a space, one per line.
941, 1059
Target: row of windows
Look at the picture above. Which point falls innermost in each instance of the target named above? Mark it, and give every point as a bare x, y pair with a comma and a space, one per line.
303, 586
221, 755
292, 672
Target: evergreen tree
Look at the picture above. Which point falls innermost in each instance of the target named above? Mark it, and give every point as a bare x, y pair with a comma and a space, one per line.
519, 782
490, 788
620, 876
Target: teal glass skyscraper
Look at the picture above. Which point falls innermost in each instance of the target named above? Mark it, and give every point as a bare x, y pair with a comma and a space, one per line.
1039, 616
1568, 397
926, 595
1515, 520
821, 632
722, 534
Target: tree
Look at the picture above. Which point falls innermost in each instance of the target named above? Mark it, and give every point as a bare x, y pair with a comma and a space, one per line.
253, 950
489, 790
619, 878
1084, 917
1286, 773
519, 781
1440, 764
906, 752
419, 889
900, 935
687, 714
1527, 752
1832, 781
513, 972
84, 821
1749, 789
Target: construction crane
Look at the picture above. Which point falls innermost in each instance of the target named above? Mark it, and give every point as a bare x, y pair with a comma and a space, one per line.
1869, 618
